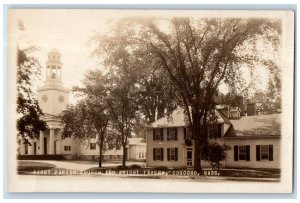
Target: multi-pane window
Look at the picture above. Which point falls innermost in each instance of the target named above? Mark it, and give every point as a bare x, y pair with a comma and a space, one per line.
158, 154
187, 133
158, 134
242, 153
189, 156
67, 148
264, 152
92, 146
172, 134
172, 154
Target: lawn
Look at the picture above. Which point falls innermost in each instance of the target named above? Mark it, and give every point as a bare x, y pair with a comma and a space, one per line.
29, 166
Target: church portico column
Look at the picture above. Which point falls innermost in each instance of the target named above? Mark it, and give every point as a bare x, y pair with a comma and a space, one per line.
58, 142
51, 141
22, 147
41, 142
30, 147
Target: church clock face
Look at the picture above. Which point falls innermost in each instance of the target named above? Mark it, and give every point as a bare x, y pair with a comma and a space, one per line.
61, 99
45, 98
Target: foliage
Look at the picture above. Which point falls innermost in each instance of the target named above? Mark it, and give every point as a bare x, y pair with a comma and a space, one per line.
30, 123
134, 166
161, 168
199, 55
89, 118
216, 153
193, 57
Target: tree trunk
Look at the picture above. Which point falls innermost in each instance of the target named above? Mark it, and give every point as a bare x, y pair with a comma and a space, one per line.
124, 155
100, 157
100, 152
197, 156
196, 133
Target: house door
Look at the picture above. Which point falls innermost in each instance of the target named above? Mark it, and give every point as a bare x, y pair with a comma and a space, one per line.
189, 157
34, 148
45, 145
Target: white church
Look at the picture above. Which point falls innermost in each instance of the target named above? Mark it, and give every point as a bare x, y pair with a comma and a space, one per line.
53, 98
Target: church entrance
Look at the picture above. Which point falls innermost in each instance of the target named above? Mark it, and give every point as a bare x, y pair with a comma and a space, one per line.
45, 145
34, 148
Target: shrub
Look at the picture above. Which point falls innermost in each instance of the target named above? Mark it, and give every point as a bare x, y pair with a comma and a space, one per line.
161, 168
135, 166
180, 168
216, 153
120, 167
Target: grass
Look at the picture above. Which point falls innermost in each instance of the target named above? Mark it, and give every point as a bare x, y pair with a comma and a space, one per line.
29, 166
252, 173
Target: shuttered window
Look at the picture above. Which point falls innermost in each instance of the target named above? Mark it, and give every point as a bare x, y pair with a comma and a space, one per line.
242, 153
172, 154
171, 133
158, 134
158, 154
187, 133
264, 152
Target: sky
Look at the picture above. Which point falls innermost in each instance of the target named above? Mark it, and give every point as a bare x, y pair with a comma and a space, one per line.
70, 31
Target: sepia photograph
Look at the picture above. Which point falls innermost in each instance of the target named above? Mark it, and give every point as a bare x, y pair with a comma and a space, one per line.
178, 101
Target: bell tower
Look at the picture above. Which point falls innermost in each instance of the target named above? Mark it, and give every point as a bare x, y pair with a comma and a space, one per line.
53, 97
53, 65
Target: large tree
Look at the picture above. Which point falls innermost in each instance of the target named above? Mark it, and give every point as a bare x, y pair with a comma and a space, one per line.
89, 118
197, 56
122, 107
30, 123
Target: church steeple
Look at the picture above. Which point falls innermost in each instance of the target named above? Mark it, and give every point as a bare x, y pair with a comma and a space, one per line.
53, 65
53, 97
